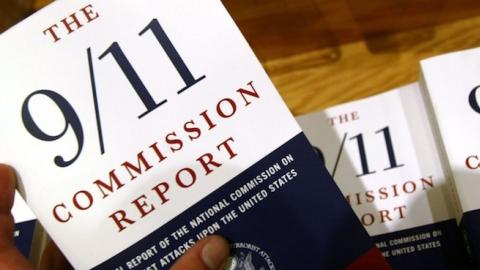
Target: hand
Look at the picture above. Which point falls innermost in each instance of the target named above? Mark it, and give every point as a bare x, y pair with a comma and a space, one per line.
208, 254
10, 257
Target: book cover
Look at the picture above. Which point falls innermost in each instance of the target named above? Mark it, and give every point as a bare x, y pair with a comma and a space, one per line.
382, 154
451, 85
139, 127
24, 225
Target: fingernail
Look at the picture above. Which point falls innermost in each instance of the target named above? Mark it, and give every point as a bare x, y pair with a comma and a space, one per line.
215, 252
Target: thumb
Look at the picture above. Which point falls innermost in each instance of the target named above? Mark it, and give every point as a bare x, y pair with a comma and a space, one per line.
207, 254
10, 257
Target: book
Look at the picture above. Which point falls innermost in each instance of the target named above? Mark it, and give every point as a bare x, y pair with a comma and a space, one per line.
138, 128
382, 153
25, 222
451, 87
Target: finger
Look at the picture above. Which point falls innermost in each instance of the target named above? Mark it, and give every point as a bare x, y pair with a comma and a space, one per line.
207, 254
10, 257
53, 259
7, 189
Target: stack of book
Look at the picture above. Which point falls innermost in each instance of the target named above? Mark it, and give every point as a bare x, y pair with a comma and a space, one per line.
145, 126
139, 127
408, 162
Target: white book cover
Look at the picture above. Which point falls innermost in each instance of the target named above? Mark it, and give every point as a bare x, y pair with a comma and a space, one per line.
140, 127
451, 84
382, 154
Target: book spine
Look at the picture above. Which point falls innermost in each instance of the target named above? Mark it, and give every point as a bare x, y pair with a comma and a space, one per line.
445, 165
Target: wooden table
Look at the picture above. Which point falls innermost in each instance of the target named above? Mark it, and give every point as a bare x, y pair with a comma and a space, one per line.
367, 67
324, 52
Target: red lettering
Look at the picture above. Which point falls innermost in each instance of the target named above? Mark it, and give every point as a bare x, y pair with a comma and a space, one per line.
137, 169
71, 23
109, 187
395, 192
412, 185
89, 13
331, 120
174, 141
180, 181
57, 215
51, 31
221, 112
190, 128
75, 22
426, 182
227, 146
120, 217
206, 160
355, 116
359, 201
344, 118
384, 216
348, 199
244, 93
383, 193
141, 205
370, 196
157, 151
205, 116
161, 189
366, 222
87, 195
401, 210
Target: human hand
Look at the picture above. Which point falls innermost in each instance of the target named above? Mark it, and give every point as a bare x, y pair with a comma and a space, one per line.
10, 257
208, 254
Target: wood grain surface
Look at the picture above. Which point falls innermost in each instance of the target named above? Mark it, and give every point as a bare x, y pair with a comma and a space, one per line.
360, 69
12, 11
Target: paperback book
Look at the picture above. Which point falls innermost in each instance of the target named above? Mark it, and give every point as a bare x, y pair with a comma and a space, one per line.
382, 153
25, 222
451, 86
140, 127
